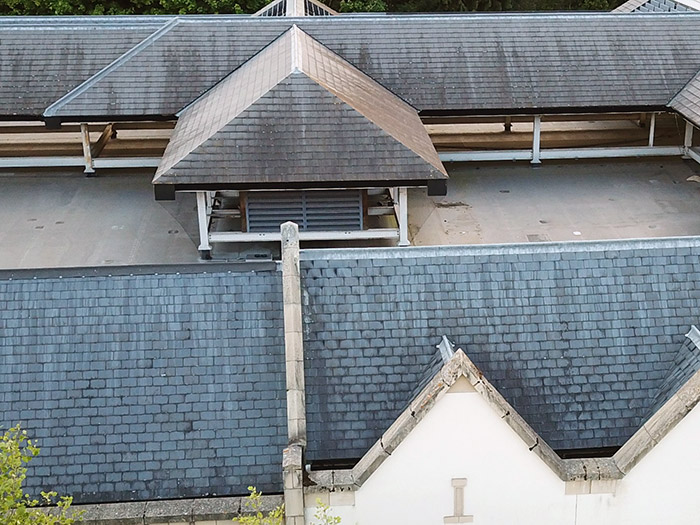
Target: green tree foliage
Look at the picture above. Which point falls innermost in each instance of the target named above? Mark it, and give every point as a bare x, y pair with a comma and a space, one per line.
252, 506
16, 507
362, 6
154, 7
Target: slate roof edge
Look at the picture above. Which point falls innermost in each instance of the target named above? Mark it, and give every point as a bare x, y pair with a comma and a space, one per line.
658, 425
169, 511
459, 365
143, 269
500, 249
8, 22
614, 468
56, 106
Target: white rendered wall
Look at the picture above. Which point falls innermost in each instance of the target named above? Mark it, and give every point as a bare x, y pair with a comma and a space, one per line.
663, 488
462, 437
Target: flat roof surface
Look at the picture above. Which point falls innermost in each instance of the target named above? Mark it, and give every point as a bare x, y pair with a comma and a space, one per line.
63, 219
515, 202
66, 219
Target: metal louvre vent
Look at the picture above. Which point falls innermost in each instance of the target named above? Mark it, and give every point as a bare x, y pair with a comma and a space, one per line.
311, 210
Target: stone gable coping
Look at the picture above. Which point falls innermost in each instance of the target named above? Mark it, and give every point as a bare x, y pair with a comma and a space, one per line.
568, 470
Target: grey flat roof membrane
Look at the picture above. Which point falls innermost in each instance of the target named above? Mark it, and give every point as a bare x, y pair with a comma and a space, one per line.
297, 113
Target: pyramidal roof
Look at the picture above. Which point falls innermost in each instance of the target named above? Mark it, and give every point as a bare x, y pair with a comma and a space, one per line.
295, 8
298, 113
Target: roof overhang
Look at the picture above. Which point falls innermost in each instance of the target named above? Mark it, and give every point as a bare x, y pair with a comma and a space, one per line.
166, 192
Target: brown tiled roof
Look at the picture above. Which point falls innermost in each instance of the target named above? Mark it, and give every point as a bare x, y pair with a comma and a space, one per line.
297, 113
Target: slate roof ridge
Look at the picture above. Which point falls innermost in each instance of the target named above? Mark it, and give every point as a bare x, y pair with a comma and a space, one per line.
144, 269
175, 152
21, 22
232, 72
10, 22
345, 93
85, 86
500, 249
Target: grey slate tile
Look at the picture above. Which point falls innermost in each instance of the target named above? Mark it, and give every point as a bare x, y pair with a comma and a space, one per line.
166, 418
593, 371
477, 62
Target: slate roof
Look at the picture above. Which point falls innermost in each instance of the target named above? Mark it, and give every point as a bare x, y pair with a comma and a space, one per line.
146, 386
41, 61
474, 63
288, 116
578, 337
687, 101
685, 364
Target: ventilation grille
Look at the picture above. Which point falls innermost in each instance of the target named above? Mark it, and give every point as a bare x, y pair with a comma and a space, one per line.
311, 210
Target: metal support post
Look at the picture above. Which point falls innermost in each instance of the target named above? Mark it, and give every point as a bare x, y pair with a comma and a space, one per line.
536, 128
203, 220
652, 129
688, 139
403, 217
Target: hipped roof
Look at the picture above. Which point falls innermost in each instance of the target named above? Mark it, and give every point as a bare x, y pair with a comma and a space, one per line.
469, 63
297, 113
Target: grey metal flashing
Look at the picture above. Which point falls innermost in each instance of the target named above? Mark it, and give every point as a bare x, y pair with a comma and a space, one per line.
659, 243
82, 88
